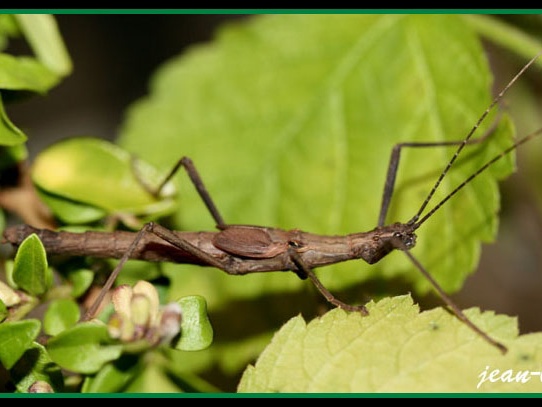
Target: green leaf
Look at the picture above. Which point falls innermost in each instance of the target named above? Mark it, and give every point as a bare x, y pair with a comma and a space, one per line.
196, 329
36, 365
30, 271
28, 73
81, 279
3, 310
41, 32
84, 348
8, 28
152, 379
10, 135
9, 274
114, 377
15, 338
60, 315
97, 176
71, 212
25, 73
291, 119
394, 349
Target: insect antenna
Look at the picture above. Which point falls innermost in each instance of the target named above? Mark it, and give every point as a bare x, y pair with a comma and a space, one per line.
417, 223
414, 221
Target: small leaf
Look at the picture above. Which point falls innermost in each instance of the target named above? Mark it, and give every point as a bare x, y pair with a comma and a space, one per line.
196, 329
81, 279
15, 338
36, 366
10, 135
25, 73
8, 28
152, 379
60, 315
30, 271
114, 376
41, 31
84, 348
393, 349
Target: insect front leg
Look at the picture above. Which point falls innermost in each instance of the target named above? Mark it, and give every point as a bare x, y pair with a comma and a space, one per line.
304, 270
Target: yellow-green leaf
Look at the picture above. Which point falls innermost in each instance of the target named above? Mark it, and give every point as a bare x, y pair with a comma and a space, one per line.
394, 349
99, 177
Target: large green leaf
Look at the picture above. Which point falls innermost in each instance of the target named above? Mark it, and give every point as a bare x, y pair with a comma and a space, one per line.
291, 119
395, 349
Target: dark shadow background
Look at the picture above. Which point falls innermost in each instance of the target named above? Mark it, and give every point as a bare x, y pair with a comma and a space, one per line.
91, 101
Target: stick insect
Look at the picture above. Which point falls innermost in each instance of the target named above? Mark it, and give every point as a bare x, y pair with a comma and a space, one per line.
242, 249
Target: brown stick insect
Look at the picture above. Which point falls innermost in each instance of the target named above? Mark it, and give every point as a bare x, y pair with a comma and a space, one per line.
244, 249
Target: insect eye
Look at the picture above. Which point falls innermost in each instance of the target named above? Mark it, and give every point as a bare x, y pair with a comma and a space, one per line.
293, 243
